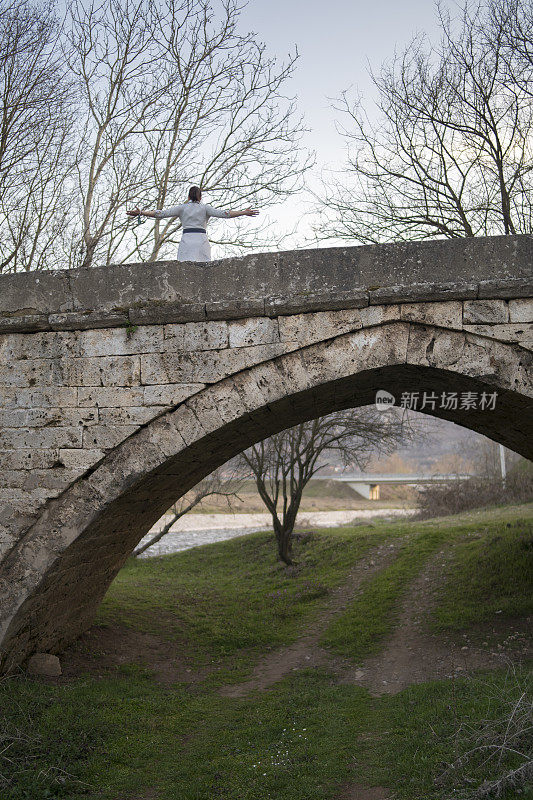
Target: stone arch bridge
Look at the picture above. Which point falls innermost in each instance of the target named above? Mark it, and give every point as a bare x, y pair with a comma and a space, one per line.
120, 388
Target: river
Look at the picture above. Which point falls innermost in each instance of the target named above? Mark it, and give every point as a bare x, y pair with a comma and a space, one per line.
193, 530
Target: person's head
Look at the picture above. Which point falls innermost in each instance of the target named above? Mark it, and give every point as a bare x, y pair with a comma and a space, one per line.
195, 194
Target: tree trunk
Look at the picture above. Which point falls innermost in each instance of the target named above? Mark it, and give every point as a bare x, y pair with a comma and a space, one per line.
284, 540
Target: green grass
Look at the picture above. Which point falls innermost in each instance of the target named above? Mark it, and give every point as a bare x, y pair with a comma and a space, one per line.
122, 736
370, 618
228, 601
490, 573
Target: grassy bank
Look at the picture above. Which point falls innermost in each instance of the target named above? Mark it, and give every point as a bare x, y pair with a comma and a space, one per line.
117, 733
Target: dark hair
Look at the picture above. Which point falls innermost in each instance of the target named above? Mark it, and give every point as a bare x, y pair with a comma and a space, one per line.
195, 194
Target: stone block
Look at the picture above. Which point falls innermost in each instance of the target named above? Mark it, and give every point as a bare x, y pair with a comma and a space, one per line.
445, 315
131, 415
161, 313
110, 396
235, 309
377, 315
422, 292
103, 437
507, 288
44, 664
29, 458
40, 438
170, 394
103, 371
430, 347
254, 331
120, 341
485, 311
512, 332
33, 293
24, 324
218, 405
270, 382
87, 320
80, 458
47, 417
31, 372
521, 310
163, 434
187, 424
47, 345
50, 478
310, 328
193, 336
332, 300
60, 397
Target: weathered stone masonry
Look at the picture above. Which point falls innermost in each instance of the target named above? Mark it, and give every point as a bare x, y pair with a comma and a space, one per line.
121, 388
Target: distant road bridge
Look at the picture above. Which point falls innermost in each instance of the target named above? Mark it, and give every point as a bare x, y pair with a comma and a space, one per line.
367, 484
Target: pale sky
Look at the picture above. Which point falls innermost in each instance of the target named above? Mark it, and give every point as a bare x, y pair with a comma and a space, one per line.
337, 41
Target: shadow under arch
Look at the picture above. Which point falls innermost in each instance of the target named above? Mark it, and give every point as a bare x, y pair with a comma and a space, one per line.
56, 576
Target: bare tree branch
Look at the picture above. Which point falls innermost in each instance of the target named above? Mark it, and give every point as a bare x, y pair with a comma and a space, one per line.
223, 482
450, 153
284, 464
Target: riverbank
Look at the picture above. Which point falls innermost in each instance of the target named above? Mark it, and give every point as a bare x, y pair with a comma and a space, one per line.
194, 530
219, 673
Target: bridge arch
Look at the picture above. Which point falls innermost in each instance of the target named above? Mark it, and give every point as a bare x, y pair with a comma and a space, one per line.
54, 578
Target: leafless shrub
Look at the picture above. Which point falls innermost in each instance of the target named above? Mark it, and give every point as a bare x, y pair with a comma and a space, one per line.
476, 492
495, 756
223, 482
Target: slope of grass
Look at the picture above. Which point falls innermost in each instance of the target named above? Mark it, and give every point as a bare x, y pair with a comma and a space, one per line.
229, 599
122, 736
370, 618
490, 573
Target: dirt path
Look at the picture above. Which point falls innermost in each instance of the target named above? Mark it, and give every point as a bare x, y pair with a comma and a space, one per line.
306, 652
415, 655
105, 647
355, 792
411, 655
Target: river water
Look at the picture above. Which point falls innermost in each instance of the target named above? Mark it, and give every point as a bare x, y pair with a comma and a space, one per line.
193, 530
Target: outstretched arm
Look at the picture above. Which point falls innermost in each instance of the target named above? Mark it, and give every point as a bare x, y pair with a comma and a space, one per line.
248, 212
224, 214
137, 212
157, 214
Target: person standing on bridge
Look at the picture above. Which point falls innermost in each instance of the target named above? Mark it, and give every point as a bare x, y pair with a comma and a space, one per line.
194, 244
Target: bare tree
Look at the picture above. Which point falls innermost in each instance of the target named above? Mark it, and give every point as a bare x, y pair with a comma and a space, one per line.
284, 464
35, 138
175, 94
450, 151
223, 482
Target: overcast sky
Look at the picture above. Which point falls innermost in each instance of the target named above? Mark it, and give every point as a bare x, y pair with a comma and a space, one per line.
337, 40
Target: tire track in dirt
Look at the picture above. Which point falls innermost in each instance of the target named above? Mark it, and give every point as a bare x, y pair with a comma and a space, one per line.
413, 654
306, 651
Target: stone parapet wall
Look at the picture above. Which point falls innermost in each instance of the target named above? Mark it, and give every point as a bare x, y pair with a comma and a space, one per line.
268, 284
159, 311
